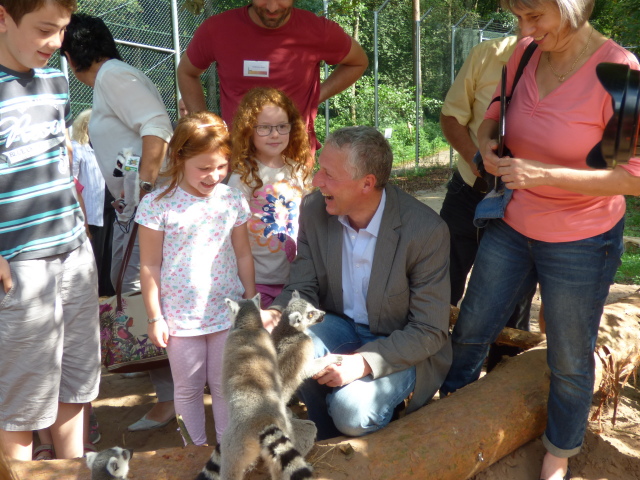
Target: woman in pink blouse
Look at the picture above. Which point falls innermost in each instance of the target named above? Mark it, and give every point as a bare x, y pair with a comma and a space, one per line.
563, 225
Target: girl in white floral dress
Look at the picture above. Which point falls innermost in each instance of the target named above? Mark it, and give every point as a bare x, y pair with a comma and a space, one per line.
271, 163
194, 252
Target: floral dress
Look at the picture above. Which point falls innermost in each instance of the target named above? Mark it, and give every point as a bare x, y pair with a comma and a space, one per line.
199, 268
273, 226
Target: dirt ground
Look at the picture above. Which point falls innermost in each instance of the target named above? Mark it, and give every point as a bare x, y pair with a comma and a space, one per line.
609, 453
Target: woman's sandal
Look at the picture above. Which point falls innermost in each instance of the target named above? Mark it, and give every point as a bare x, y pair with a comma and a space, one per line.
94, 428
44, 452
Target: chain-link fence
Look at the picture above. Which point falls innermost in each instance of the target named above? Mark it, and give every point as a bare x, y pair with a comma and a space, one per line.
467, 34
147, 39
153, 34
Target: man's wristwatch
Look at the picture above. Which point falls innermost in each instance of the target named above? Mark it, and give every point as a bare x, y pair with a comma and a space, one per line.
146, 186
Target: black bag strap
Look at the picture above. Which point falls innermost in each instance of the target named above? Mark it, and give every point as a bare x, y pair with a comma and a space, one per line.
125, 263
524, 60
526, 56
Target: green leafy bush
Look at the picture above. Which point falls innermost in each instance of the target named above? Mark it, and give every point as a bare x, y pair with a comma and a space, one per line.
396, 110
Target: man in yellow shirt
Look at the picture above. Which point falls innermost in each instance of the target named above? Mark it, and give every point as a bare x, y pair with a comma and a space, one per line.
461, 115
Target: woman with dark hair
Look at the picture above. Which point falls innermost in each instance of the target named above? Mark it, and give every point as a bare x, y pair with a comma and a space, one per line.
128, 118
563, 224
88, 40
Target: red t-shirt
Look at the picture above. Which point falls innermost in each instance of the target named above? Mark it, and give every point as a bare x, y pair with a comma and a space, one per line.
287, 58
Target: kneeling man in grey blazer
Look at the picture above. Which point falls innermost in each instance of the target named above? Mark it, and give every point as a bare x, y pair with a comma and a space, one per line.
377, 261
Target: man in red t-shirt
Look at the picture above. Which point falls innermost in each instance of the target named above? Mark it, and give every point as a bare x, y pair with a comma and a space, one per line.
270, 43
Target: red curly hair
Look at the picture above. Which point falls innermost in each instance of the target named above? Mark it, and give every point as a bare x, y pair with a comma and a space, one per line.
243, 161
196, 133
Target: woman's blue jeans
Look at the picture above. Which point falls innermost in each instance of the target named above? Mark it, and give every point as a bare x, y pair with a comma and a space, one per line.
360, 407
574, 280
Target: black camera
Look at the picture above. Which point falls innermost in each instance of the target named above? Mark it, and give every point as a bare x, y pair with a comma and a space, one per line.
620, 137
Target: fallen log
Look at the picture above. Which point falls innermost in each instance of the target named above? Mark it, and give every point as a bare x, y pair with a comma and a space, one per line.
631, 241
457, 437
449, 439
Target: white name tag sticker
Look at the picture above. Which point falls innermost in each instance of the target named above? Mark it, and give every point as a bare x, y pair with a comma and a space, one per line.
256, 68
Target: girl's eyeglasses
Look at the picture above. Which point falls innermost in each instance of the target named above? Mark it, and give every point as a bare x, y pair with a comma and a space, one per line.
264, 130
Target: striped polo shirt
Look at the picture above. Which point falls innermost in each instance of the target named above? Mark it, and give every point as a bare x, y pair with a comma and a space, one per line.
39, 213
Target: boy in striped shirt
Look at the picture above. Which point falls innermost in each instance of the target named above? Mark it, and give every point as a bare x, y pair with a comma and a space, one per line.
49, 339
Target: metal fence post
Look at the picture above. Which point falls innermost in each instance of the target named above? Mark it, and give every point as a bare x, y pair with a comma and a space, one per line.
326, 74
453, 73
175, 26
375, 61
418, 69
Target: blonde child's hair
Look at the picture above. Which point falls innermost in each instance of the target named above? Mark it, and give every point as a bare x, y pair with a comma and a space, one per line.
243, 161
196, 133
80, 127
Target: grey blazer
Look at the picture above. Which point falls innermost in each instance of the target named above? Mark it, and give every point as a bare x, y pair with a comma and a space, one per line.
409, 289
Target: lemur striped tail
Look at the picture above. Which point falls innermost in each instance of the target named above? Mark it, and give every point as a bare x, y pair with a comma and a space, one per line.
277, 450
211, 470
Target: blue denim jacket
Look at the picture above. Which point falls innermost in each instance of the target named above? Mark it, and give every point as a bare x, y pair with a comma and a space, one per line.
493, 205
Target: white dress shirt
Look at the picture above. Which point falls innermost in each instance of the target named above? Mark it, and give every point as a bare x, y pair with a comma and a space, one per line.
358, 248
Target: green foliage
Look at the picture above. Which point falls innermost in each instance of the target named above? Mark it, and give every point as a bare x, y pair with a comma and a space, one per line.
619, 19
503, 17
396, 110
419, 172
432, 107
403, 142
403, 138
194, 6
488, 8
396, 104
632, 217
148, 22
629, 272
116, 9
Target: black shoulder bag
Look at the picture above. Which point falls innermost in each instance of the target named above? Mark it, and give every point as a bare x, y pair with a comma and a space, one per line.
488, 182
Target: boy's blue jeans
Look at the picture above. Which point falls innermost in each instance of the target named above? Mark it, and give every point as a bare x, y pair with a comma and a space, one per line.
574, 280
360, 407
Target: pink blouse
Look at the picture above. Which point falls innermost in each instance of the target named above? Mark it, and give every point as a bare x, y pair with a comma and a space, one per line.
561, 129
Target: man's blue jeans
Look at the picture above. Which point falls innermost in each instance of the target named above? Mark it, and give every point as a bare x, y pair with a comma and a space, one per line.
360, 407
574, 280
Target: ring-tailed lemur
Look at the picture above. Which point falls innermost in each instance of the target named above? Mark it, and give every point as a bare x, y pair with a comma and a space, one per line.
258, 422
112, 463
295, 347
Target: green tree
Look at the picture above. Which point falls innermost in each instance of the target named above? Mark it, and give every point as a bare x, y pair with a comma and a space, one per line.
619, 19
